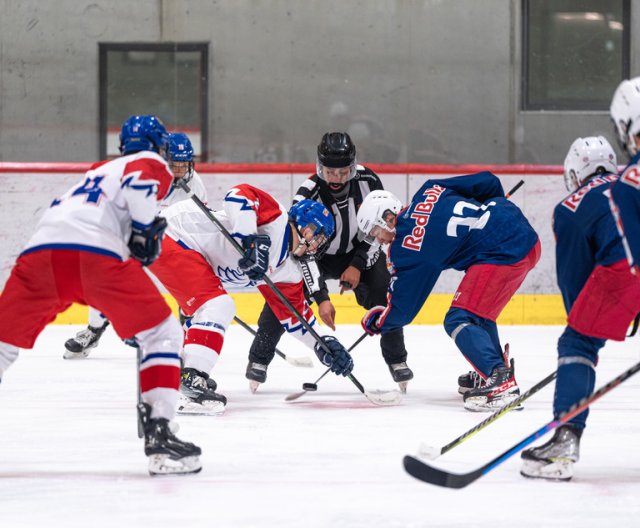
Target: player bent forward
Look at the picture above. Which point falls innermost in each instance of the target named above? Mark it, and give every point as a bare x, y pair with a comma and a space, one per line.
80, 253
197, 262
463, 223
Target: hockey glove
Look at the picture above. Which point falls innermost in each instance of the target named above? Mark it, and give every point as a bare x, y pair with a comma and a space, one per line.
339, 361
370, 320
145, 243
255, 261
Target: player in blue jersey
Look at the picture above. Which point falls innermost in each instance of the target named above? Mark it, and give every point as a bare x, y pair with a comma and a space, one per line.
599, 292
463, 223
625, 114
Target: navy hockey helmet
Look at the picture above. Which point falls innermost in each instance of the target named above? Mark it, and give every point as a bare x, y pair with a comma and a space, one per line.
143, 132
313, 215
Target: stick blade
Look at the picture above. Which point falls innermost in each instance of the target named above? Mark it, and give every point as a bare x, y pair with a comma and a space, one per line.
295, 396
300, 361
438, 477
384, 399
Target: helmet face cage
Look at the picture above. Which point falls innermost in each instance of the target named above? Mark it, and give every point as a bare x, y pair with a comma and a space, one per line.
625, 114
180, 151
145, 132
586, 157
316, 217
336, 151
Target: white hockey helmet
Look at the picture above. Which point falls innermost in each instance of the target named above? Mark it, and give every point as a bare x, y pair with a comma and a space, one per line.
625, 114
374, 211
586, 157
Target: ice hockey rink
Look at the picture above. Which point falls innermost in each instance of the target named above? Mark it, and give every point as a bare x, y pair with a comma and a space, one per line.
71, 456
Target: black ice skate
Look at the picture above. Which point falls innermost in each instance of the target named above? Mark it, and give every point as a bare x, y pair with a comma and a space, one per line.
78, 347
499, 390
401, 374
256, 374
473, 380
197, 396
554, 459
168, 455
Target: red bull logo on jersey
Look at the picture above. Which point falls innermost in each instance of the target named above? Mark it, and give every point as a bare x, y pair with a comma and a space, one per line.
572, 202
421, 214
632, 177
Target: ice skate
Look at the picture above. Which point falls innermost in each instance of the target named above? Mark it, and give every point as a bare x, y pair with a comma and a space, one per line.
468, 381
256, 374
401, 374
78, 347
553, 460
168, 455
500, 389
197, 396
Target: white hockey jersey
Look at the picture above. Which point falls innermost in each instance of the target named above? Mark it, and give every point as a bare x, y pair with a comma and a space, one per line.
97, 214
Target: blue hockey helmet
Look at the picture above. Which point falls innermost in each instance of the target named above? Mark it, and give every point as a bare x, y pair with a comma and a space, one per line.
180, 156
313, 215
143, 132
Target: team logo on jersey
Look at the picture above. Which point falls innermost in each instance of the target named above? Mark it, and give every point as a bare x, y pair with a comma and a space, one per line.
631, 177
234, 276
421, 214
572, 202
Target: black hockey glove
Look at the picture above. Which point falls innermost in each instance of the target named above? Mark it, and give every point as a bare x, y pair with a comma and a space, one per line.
145, 244
255, 261
339, 361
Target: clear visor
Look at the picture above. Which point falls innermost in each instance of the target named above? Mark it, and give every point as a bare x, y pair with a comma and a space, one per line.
383, 228
336, 175
182, 169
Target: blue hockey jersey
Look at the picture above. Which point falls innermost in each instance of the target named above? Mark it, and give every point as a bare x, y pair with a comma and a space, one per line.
586, 236
451, 223
626, 195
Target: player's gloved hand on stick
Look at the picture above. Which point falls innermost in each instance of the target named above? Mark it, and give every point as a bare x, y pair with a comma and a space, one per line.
255, 261
339, 361
370, 320
146, 240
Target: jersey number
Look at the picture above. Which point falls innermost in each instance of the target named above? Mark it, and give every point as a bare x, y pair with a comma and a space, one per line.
470, 222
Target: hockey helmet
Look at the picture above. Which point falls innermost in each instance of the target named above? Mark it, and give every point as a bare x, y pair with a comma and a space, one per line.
586, 157
181, 156
143, 132
315, 216
625, 114
377, 211
336, 151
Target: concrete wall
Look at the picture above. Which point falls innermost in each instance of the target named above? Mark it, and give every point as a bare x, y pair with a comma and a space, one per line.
442, 78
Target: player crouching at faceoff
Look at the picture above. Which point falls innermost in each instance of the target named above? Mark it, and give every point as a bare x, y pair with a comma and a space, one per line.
463, 223
197, 261
80, 253
181, 162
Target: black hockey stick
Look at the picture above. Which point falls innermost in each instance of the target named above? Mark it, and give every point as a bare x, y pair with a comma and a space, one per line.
440, 477
515, 188
382, 398
301, 361
312, 387
434, 452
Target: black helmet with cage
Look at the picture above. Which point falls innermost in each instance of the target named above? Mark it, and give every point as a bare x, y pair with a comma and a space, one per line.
336, 162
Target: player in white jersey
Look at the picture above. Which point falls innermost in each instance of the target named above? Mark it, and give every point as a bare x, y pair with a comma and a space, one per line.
80, 252
180, 159
197, 263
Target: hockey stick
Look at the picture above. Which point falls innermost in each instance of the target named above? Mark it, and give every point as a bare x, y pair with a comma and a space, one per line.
431, 452
312, 387
302, 361
440, 477
382, 398
515, 188
140, 406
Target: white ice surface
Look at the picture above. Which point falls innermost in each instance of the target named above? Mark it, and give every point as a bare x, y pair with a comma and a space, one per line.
70, 456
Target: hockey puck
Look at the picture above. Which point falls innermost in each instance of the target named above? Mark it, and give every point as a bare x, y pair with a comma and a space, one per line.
309, 387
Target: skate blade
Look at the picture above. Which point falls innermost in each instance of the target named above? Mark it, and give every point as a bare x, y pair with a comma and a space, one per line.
403, 386
253, 386
208, 408
561, 470
480, 404
75, 355
163, 465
